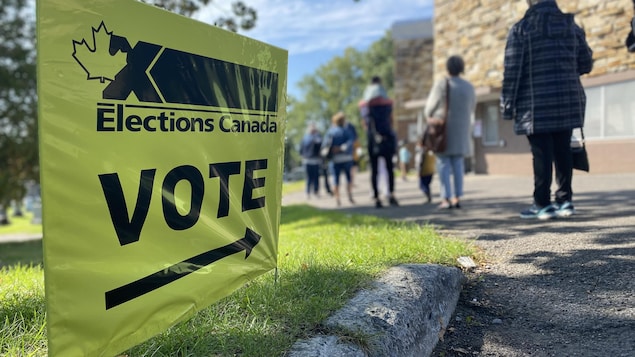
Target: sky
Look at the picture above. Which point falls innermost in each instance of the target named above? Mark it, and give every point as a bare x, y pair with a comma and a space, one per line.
315, 31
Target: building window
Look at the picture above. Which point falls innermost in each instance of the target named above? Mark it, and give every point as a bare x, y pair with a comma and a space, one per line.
610, 111
490, 123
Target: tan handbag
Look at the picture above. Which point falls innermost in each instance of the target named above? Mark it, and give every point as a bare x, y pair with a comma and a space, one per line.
428, 163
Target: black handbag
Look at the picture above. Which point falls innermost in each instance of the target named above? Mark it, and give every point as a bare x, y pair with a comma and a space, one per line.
579, 154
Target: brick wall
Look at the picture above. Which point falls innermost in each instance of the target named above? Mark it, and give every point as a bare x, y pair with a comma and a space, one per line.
477, 30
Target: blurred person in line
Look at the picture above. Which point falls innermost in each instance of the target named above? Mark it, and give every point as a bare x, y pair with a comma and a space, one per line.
404, 159
382, 180
461, 106
545, 55
340, 141
311, 159
425, 166
630, 39
324, 172
353, 132
358, 154
376, 112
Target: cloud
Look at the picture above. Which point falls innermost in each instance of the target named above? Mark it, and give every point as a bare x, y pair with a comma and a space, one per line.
306, 26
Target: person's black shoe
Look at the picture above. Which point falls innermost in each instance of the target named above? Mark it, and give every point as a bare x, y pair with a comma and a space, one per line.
429, 197
393, 201
378, 203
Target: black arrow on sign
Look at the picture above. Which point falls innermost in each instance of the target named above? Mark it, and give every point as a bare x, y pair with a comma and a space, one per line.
166, 276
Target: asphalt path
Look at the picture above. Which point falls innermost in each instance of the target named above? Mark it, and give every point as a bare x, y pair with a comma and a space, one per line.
562, 287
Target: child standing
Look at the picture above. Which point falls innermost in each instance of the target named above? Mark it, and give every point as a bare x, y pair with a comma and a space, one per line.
425, 165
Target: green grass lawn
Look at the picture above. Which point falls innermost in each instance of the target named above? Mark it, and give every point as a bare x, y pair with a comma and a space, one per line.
324, 258
20, 225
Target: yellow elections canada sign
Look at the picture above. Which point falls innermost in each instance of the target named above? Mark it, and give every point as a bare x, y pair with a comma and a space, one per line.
161, 146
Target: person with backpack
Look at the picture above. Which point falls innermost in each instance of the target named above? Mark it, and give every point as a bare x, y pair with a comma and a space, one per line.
376, 112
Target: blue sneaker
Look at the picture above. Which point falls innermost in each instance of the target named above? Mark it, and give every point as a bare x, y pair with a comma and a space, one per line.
565, 209
547, 212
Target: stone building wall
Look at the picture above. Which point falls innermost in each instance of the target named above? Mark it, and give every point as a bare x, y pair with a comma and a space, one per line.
477, 30
412, 80
413, 71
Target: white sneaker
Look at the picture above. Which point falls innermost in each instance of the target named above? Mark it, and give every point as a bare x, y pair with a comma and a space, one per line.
534, 212
565, 209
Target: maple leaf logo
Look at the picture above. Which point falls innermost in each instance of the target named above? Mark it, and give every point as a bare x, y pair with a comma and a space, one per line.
95, 57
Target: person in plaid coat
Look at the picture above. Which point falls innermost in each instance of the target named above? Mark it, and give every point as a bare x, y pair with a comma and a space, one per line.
545, 55
630, 39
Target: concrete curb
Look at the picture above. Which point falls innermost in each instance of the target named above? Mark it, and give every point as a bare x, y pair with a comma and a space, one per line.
406, 311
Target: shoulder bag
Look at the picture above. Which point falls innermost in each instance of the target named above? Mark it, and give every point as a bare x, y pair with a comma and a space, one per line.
435, 136
578, 151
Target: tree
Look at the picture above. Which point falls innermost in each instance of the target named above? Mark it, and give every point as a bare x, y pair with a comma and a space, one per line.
18, 94
242, 17
338, 86
379, 60
18, 103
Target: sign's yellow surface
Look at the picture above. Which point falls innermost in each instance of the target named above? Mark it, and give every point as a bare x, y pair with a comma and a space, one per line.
161, 147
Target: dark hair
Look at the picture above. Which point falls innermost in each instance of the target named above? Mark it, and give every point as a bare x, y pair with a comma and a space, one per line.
375, 80
455, 65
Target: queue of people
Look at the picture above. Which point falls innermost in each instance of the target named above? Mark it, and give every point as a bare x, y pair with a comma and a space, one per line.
337, 150
333, 154
538, 47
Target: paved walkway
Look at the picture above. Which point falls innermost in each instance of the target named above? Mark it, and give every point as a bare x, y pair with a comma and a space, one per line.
563, 287
18, 237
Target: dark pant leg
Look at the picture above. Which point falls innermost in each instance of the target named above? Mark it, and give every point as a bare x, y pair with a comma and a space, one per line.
313, 178
390, 167
325, 172
374, 163
563, 161
424, 183
542, 153
336, 171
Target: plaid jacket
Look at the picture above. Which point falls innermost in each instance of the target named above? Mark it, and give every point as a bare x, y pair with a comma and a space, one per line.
545, 54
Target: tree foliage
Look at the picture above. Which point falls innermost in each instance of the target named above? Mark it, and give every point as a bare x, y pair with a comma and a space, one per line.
18, 101
18, 94
242, 17
338, 85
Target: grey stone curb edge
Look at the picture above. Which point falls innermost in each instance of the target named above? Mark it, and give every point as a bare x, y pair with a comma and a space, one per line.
406, 310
